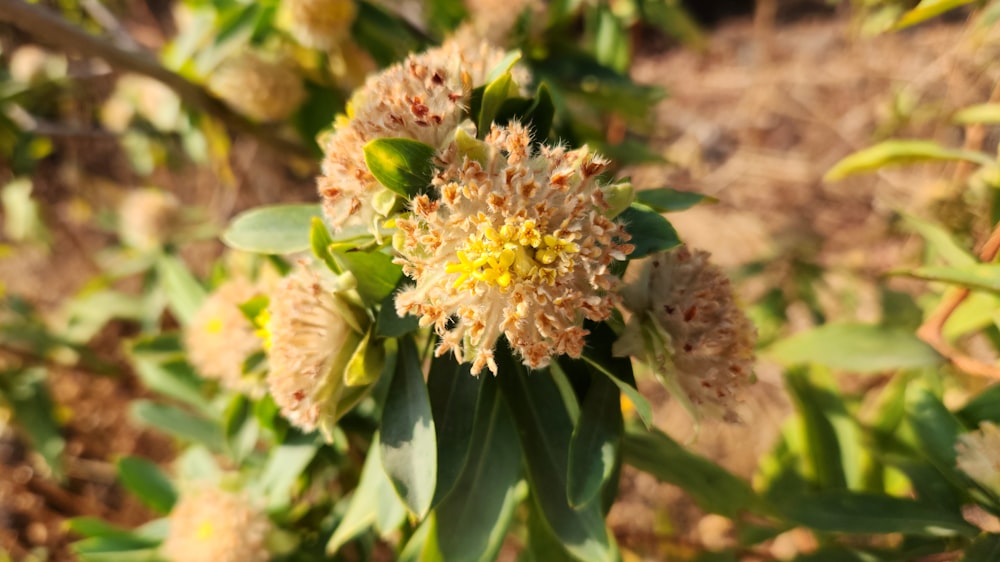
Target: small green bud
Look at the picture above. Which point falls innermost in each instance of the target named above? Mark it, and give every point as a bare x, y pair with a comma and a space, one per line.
618, 196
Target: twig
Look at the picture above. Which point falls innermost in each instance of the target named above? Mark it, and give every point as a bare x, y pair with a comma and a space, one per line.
107, 20
932, 329
54, 30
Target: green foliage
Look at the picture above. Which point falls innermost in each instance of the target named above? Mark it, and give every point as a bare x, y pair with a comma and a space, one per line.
402, 165
415, 456
280, 229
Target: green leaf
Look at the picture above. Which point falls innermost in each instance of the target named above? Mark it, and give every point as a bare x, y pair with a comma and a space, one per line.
168, 344
454, 395
594, 445
840, 511
985, 276
178, 423
545, 428
862, 348
22, 219
928, 9
650, 231
239, 428
405, 166
896, 152
387, 38
936, 431
831, 436
471, 523
409, 446
835, 554
374, 503
986, 548
284, 467
627, 387
365, 366
94, 527
540, 114
144, 479
665, 199
542, 545
941, 241
494, 95
174, 378
985, 113
321, 241
388, 324
712, 487
184, 293
34, 412
129, 548
376, 274
276, 229
985, 406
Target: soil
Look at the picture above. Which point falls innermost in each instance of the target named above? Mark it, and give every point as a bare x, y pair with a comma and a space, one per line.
754, 120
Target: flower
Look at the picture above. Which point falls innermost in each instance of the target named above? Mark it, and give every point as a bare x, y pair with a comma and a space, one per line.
210, 525
687, 326
320, 24
423, 98
314, 330
979, 455
147, 218
516, 243
495, 19
260, 89
220, 338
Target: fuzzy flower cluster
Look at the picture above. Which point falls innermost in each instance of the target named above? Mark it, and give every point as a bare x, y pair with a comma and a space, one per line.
147, 218
262, 90
687, 325
210, 525
979, 455
423, 98
313, 332
320, 24
220, 338
517, 243
495, 19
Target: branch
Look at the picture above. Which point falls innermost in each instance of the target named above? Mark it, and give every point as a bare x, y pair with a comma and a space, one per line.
931, 331
53, 29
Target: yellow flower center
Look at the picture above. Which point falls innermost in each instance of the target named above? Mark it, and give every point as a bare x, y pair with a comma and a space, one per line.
214, 326
205, 530
518, 251
262, 332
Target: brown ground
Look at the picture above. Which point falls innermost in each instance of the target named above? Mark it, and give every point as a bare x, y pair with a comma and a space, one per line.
753, 124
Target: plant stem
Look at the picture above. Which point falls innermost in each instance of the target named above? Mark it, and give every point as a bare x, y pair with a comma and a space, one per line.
931, 331
52, 29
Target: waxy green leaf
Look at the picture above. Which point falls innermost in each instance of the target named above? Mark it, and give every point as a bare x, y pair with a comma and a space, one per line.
860, 348
405, 166
650, 231
144, 479
896, 152
409, 444
277, 229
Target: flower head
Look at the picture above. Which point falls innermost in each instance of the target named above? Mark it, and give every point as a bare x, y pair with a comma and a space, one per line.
220, 338
147, 218
979, 455
210, 525
320, 24
314, 330
258, 88
517, 244
495, 19
423, 98
686, 325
